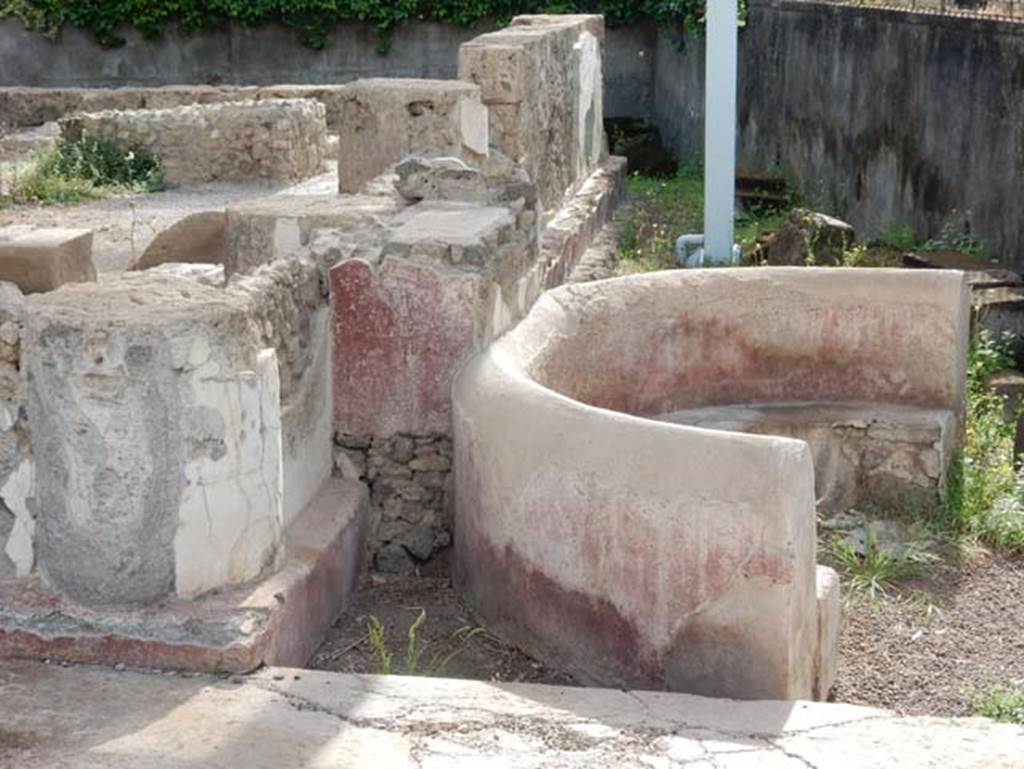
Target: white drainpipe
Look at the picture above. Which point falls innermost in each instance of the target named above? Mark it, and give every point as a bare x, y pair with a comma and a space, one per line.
719, 143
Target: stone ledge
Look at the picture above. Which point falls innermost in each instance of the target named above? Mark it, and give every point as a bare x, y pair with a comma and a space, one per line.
279, 620
89, 718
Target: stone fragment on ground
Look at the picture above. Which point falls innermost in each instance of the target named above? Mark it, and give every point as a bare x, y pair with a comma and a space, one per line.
99, 718
807, 238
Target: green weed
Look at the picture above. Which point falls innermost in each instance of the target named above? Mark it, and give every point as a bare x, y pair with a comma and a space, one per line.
876, 571
1001, 703
985, 498
414, 648
662, 209
898, 236
954, 236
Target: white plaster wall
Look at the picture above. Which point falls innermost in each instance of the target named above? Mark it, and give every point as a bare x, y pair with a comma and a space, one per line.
230, 518
17, 493
590, 90
307, 424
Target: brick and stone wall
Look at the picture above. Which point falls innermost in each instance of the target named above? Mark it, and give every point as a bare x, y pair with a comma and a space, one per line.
237, 141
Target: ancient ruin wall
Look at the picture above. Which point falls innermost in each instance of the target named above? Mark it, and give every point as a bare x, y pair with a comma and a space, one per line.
543, 83
281, 139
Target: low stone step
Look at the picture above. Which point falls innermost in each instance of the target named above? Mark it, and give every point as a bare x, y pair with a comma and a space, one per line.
280, 619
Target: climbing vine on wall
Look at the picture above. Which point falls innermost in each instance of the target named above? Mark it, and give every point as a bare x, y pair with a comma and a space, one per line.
314, 18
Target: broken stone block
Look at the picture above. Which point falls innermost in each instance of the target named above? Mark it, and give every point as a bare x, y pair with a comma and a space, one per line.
385, 120
439, 179
981, 273
38, 260
805, 239
198, 238
542, 81
1000, 311
497, 180
1009, 385
267, 229
451, 232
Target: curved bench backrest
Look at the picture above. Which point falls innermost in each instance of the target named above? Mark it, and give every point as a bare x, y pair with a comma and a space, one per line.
653, 344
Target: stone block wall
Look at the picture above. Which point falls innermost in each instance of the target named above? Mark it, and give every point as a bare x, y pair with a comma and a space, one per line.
543, 83
238, 141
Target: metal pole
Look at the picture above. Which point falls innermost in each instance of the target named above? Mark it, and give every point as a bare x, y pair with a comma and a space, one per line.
720, 130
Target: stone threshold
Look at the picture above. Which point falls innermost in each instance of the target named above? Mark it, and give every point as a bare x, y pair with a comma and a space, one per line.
278, 620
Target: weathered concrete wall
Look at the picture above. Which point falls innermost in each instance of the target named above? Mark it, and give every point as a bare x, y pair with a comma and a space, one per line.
281, 139
262, 55
649, 555
272, 55
629, 70
880, 116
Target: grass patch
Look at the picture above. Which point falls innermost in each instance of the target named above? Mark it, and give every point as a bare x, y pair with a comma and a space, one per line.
665, 208
78, 170
954, 235
984, 507
1001, 703
986, 494
898, 236
414, 648
874, 571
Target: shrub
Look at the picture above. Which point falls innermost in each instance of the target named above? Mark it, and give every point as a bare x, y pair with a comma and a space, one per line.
314, 18
986, 494
84, 169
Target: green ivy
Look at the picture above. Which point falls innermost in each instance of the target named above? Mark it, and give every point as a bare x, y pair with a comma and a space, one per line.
314, 19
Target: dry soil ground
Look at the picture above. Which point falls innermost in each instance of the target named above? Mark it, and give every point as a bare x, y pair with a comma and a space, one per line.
922, 652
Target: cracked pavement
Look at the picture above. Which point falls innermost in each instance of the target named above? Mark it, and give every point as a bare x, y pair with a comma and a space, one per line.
78, 717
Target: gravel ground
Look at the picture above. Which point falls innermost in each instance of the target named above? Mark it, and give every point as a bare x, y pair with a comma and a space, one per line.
960, 630
956, 631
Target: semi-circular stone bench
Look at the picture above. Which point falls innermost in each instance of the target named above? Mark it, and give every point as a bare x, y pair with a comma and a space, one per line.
638, 552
